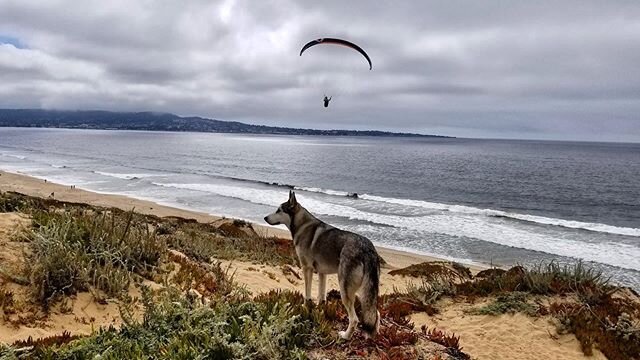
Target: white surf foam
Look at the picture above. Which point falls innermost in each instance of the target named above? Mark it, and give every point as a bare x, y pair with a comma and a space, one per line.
453, 224
603, 228
321, 191
14, 156
462, 209
123, 176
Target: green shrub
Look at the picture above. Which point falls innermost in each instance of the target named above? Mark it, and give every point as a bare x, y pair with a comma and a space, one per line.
56, 266
10, 203
76, 249
543, 279
7, 352
174, 327
507, 303
551, 278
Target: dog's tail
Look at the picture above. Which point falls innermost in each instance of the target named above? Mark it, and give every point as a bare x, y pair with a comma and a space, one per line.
369, 295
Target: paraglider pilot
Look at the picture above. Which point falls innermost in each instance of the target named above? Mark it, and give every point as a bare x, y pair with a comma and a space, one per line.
336, 42
326, 101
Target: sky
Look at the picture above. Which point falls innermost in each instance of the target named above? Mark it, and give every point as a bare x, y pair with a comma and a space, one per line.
491, 69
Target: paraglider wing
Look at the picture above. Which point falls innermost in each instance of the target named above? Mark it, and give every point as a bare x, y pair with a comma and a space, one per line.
337, 42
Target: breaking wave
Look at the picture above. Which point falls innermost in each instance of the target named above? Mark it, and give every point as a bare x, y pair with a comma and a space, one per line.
451, 223
462, 209
122, 176
322, 191
14, 156
603, 228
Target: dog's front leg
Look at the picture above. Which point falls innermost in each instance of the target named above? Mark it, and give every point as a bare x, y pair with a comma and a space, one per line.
308, 278
322, 287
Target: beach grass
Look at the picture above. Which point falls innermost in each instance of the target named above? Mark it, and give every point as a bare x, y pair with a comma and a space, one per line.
76, 250
599, 313
548, 278
200, 311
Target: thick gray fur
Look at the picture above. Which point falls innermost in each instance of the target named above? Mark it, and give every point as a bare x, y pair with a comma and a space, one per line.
324, 249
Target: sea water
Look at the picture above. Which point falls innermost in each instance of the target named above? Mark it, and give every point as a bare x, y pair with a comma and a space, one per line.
499, 202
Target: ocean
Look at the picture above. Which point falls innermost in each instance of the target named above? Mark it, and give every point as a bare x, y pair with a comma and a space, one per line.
500, 202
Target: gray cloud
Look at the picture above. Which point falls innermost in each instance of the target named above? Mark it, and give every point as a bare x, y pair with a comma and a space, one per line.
546, 69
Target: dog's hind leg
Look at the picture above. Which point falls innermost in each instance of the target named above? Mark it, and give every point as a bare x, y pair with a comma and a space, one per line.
322, 287
368, 294
369, 316
349, 302
308, 280
350, 282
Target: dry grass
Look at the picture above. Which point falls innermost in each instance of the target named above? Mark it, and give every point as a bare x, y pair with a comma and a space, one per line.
434, 270
7, 302
206, 279
450, 341
76, 250
611, 324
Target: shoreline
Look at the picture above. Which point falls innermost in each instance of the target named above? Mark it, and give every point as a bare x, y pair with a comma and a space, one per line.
34, 186
482, 336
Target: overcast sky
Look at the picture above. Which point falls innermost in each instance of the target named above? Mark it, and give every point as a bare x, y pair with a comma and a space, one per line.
504, 69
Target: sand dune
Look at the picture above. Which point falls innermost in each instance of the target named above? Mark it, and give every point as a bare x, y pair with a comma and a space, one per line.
483, 337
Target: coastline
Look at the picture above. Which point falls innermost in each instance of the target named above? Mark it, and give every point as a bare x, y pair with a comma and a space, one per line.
482, 336
33, 186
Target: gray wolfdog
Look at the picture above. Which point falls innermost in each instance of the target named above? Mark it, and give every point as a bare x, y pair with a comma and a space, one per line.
324, 249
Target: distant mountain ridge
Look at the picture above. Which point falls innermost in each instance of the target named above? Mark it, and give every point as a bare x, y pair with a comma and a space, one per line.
108, 120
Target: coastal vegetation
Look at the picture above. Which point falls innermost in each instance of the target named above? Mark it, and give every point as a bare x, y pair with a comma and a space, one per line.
178, 299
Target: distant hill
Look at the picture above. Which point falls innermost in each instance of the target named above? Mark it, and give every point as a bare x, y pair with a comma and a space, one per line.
108, 120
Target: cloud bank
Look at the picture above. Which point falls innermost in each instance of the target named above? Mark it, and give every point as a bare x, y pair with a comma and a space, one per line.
544, 70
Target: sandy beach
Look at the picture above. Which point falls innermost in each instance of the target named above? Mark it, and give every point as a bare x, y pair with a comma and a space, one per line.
37, 187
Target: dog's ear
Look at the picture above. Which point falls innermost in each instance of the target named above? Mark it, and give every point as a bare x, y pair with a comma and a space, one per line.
292, 198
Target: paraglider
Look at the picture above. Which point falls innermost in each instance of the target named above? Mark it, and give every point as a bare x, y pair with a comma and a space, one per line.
337, 42
341, 42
